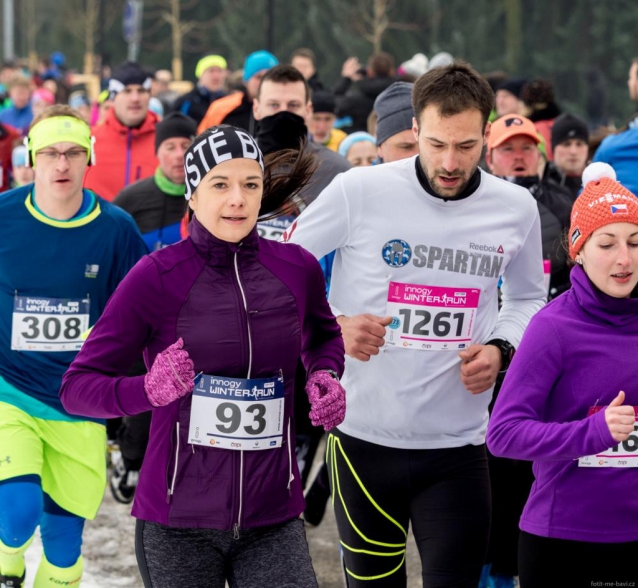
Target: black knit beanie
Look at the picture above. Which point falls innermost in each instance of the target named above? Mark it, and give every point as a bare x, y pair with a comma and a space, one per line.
172, 125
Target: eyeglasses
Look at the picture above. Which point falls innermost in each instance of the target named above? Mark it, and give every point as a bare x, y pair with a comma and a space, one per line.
72, 155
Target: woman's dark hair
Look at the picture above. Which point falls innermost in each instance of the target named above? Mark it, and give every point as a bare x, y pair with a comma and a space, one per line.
286, 173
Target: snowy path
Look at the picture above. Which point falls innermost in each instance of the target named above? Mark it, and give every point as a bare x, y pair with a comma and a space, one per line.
109, 551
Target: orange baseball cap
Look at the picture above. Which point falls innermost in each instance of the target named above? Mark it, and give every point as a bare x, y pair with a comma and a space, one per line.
509, 126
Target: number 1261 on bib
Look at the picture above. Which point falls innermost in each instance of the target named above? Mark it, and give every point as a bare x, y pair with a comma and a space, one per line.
430, 318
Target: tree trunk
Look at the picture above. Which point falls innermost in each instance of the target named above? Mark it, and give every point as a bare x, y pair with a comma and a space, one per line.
92, 10
513, 35
176, 27
32, 33
380, 20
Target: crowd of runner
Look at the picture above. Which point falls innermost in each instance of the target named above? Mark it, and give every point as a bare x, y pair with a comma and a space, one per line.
213, 282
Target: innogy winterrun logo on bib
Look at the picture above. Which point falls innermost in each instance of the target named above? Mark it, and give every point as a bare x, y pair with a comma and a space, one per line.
396, 253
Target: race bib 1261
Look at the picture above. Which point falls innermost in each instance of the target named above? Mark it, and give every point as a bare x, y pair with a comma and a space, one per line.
431, 317
234, 413
48, 324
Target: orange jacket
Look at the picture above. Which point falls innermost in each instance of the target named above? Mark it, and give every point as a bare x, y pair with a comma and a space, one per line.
122, 155
219, 110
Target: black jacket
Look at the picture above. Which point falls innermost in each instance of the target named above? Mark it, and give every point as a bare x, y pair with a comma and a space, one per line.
196, 102
356, 100
554, 206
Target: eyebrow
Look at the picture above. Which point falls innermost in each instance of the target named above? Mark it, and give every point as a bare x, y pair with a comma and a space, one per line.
466, 141
226, 178
612, 234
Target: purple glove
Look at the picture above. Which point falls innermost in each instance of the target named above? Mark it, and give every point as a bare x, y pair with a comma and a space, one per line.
171, 377
327, 399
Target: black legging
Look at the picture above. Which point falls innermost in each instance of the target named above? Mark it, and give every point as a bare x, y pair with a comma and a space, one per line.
378, 491
549, 563
265, 557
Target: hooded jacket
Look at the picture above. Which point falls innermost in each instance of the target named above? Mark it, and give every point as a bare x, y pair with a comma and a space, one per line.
578, 352
249, 308
123, 155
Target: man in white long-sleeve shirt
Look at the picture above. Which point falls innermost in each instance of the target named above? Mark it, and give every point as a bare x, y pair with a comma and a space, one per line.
421, 245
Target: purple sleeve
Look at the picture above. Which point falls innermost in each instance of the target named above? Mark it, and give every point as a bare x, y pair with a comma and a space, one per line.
95, 384
322, 345
520, 426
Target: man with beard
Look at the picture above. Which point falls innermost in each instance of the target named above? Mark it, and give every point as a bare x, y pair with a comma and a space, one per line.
421, 245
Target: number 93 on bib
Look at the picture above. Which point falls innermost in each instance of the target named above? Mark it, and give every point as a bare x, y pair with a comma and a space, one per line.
234, 413
430, 318
40, 323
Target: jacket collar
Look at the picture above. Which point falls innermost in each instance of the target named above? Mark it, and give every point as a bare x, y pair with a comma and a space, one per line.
217, 252
619, 312
147, 126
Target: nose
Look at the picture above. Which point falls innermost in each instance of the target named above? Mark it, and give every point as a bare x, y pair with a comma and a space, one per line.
449, 162
236, 197
623, 258
62, 163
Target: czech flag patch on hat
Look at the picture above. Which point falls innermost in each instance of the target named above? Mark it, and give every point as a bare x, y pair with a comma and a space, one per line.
619, 209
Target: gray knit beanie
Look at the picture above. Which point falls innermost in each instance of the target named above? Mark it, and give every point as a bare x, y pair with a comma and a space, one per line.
394, 110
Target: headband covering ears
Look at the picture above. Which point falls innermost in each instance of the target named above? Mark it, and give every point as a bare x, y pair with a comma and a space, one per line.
214, 146
59, 129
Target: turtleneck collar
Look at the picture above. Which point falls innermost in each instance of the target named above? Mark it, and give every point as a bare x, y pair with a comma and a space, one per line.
472, 185
166, 186
217, 252
618, 312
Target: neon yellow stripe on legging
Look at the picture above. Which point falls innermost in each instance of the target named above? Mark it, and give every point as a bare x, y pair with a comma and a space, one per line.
332, 442
378, 577
335, 440
331, 451
372, 552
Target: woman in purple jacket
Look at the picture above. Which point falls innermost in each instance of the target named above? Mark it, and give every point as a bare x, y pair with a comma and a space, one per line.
569, 404
222, 318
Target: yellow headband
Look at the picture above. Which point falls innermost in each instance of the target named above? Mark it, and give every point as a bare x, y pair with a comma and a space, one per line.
59, 129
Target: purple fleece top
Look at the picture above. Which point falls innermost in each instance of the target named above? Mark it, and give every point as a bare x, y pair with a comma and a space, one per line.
195, 289
579, 351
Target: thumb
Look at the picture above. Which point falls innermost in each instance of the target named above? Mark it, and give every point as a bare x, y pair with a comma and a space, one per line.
619, 400
381, 320
469, 353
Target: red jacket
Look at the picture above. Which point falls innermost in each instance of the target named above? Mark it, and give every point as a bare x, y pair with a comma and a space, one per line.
8, 138
123, 155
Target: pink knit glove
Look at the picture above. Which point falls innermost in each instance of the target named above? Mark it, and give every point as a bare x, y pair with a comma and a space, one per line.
327, 399
171, 377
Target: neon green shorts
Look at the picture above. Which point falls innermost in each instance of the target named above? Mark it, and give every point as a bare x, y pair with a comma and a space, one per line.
69, 457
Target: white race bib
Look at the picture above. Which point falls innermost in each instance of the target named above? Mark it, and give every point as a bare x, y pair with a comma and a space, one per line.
48, 324
274, 228
234, 413
431, 318
623, 455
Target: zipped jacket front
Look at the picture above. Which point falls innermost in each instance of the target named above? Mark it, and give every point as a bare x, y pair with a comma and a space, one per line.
243, 310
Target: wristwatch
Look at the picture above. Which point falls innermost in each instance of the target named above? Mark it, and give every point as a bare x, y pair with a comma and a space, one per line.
334, 374
507, 352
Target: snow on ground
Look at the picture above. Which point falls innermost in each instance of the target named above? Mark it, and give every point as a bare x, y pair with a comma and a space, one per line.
109, 550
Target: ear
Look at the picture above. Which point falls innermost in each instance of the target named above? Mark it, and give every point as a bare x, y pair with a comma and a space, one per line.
415, 128
192, 202
488, 158
488, 130
256, 115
